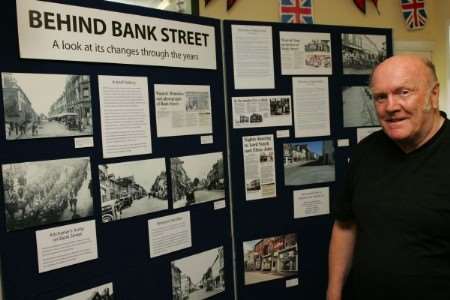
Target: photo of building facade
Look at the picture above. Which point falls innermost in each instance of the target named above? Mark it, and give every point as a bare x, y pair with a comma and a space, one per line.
270, 258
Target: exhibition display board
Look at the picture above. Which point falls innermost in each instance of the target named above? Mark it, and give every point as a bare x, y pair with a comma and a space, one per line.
297, 98
113, 154
131, 167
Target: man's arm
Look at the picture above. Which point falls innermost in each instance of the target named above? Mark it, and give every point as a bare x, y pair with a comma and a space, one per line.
340, 257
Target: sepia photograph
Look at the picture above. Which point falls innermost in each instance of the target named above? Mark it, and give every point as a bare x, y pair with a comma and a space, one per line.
197, 179
308, 162
270, 258
198, 276
358, 107
362, 52
46, 192
280, 106
46, 105
103, 292
132, 188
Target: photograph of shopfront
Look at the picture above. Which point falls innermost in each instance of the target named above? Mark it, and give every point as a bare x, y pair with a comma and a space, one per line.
270, 258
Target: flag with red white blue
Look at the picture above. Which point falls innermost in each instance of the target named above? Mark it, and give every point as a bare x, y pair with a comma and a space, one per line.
414, 13
296, 11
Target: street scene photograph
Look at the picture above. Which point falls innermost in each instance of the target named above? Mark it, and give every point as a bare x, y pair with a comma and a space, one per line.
198, 276
132, 188
197, 179
103, 292
362, 52
358, 107
270, 258
46, 105
47, 192
308, 162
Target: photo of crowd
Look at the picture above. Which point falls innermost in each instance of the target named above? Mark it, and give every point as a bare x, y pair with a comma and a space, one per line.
361, 52
45, 192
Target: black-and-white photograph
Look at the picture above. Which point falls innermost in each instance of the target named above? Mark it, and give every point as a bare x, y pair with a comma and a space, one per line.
270, 258
308, 162
197, 101
103, 292
358, 107
280, 106
362, 52
46, 105
198, 276
197, 179
46, 192
132, 188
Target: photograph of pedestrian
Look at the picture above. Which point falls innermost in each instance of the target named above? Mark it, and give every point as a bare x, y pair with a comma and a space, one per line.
103, 292
308, 162
46, 105
197, 179
198, 276
45, 192
132, 188
362, 52
270, 258
358, 107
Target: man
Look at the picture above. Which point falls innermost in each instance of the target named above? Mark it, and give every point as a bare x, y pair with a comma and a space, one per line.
391, 237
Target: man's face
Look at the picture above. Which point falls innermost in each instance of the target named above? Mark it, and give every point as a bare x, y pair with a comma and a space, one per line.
404, 95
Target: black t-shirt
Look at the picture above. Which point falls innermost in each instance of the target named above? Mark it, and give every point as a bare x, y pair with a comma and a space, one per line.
401, 205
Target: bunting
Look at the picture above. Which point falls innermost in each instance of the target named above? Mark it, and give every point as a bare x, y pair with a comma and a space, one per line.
361, 5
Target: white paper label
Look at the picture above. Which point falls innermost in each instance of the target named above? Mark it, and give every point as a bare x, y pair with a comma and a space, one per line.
343, 143
170, 233
84, 142
311, 202
291, 282
219, 204
283, 133
67, 245
206, 139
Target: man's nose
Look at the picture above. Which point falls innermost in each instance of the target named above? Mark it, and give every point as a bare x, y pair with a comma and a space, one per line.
392, 103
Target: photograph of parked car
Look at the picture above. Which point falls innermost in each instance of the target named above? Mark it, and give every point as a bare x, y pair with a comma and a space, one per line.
132, 188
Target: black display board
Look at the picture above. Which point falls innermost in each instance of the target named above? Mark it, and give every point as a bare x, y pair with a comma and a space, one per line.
274, 216
123, 245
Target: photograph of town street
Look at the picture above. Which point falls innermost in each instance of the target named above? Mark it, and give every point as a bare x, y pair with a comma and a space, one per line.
45, 192
132, 188
46, 105
270, 258
103, 292
308, 162
198, 276
358, 107
362, 52
197, 179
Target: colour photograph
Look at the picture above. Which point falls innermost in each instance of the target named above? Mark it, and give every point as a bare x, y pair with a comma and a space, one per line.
308, 162
270, 258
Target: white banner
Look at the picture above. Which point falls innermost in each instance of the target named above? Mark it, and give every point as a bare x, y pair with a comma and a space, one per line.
64, 32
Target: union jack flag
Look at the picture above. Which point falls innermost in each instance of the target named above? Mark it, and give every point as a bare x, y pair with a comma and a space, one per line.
414, 13
296, 11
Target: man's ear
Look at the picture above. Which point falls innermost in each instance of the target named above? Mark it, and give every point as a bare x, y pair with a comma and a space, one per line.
434, 96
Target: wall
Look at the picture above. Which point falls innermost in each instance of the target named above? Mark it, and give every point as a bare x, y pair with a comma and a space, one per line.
344, 12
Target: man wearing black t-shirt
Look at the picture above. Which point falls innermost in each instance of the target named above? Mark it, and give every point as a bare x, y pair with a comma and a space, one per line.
391, 236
